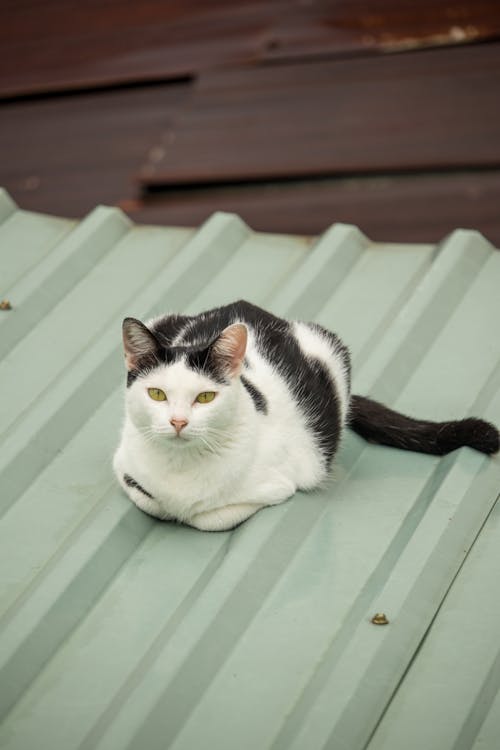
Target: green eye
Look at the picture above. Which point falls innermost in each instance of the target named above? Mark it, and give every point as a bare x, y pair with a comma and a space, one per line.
205, 397
157, 394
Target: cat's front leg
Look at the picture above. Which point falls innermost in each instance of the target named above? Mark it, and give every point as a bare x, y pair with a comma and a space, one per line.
224, 518
140, 497
148, 505
275, 489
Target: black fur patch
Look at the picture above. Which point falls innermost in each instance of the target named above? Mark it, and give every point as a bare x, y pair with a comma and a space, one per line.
198, 357
132, 483
259, 400
171, 325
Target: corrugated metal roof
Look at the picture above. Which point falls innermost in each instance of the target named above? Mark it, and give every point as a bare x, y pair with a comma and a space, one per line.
119, 631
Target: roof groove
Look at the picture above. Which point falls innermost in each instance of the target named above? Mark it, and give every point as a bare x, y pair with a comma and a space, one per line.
364, 602
409, 597
423, 716
407, 291
135, 676
33, 238
34, 594
205, 253
162, 724
373, 284
67, 263
411, 332
237, 580
68, 608
322, 271
487, 400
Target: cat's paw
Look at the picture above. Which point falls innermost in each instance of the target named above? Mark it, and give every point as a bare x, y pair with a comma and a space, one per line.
274, 490
140, 497
224, 518
147, 505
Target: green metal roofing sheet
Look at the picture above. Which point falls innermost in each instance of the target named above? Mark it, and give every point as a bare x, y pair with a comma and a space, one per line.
119, 631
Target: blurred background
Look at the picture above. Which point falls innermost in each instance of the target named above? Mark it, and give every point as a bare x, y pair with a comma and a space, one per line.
293, 113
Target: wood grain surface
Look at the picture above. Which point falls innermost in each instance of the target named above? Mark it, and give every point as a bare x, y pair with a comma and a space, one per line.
397, 208
70, 44
420, 110
291, 113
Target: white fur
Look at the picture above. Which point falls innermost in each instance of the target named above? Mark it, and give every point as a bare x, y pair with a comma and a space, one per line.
230, 460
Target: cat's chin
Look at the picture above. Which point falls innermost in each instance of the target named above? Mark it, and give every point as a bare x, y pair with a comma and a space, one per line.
181, 442
161, 437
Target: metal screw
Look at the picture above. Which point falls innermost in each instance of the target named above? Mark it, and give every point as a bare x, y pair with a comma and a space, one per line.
380, 619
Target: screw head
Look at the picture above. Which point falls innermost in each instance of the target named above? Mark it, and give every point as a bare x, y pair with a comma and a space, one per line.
379, 619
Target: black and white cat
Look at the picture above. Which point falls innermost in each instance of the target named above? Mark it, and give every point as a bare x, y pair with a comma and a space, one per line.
235, 409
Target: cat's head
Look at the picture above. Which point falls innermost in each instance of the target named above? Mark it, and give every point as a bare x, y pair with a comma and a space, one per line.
184, 394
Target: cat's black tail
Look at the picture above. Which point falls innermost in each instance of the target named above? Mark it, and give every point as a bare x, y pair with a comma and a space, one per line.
379, 424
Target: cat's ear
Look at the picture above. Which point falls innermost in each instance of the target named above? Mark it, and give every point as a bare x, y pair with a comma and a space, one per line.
141, 347
230, 347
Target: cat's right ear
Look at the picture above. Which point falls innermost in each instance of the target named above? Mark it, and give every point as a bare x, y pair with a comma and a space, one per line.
140, 346
229, 348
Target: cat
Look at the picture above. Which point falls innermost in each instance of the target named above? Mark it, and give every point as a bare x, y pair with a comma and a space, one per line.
235, 409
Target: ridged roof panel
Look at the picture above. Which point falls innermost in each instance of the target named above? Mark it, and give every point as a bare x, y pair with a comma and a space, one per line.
118, 631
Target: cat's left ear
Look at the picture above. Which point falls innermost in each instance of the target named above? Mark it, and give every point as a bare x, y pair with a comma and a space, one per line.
230, 347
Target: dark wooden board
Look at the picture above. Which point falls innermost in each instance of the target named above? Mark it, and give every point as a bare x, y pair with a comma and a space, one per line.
403, 208
53, 45
67, 154
430, 109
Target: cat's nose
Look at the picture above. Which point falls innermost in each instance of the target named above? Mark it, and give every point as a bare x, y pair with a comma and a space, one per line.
178, 424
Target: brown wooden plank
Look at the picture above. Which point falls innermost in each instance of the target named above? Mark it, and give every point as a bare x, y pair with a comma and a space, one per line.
67, 154
399, 208
51, 45
422, 110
